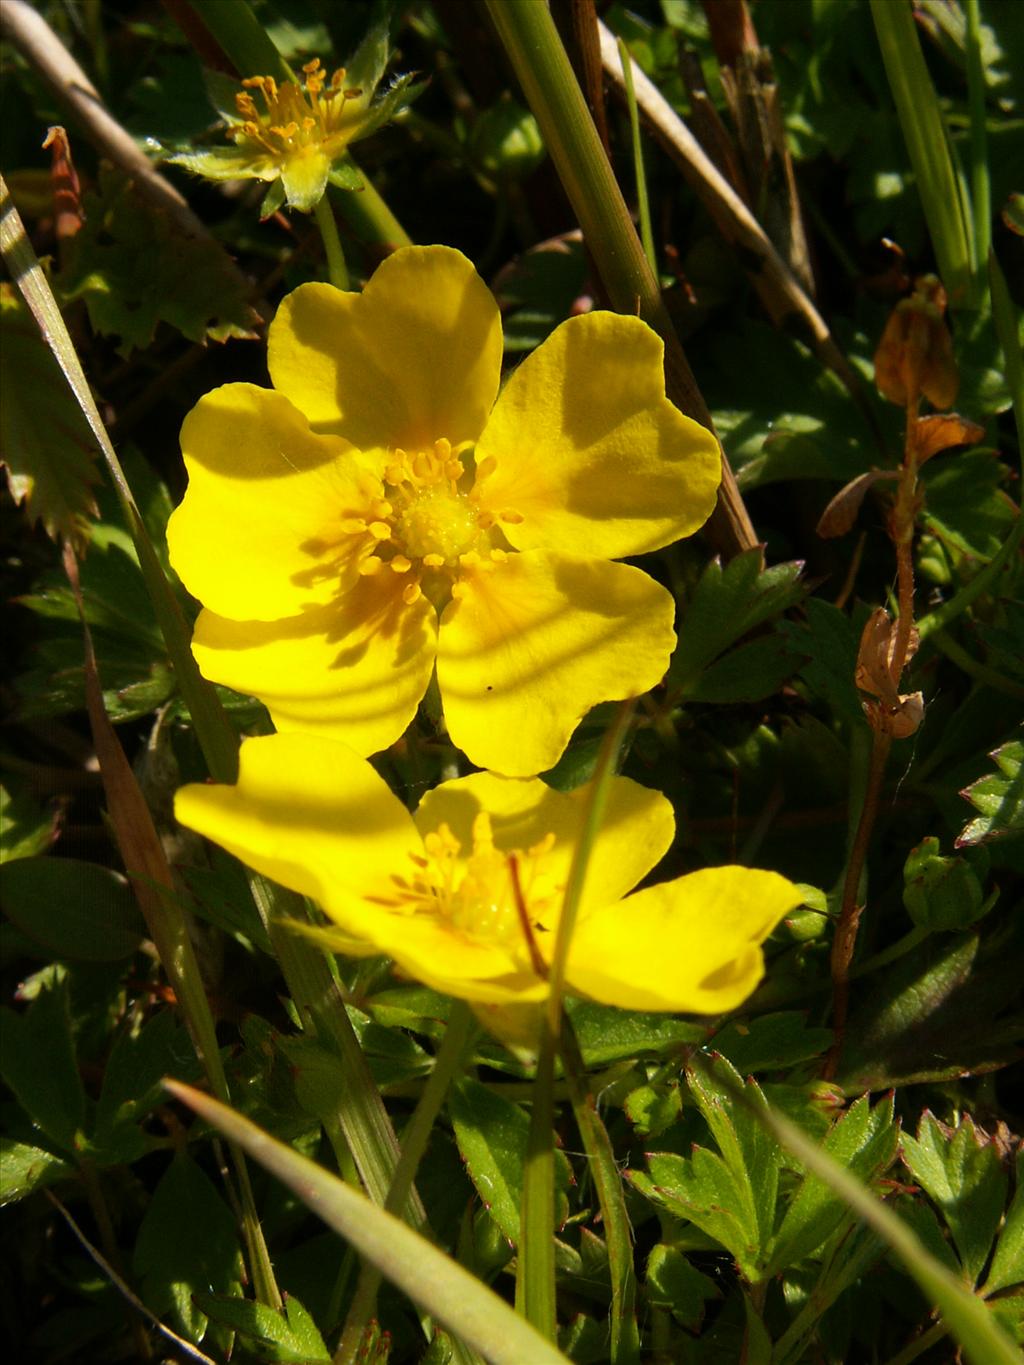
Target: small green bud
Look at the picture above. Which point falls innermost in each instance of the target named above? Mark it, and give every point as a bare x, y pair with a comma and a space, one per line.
943, 893
491, 1250
505, 143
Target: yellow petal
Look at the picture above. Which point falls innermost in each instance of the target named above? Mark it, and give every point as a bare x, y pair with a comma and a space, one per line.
636, 831
304, 176
264, 498
415, 357
691, 945
429, 949
355, 670
589, 450
308, 813
535, 643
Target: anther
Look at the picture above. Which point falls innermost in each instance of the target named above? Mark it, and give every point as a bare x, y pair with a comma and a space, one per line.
412, 592
433, 561
510, 517
369, 567
486, 467
399, 564
380, 530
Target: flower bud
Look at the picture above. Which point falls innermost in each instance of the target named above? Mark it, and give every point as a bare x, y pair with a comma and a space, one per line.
943, 893
506, 144
915, 356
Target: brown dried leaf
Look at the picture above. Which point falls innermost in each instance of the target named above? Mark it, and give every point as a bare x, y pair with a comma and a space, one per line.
940, 431
839, 516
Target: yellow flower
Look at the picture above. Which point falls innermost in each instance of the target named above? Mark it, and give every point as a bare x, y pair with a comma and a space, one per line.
379, 512
465, 895
295, 134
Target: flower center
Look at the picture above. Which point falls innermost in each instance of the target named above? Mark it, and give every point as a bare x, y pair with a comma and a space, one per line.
438, 523
295, 117
494, 896
427, 523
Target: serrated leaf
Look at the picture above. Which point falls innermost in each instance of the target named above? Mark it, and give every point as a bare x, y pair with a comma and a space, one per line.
134, 269
962, 1173
187, 1245
24, 1169
828, 640
51, 465
492, 1133
864, 1141
1008, 1262
37, 1060
726, 604
750, 1153
700, 1189
286, 1338
999, 797
77, 911
677, 1286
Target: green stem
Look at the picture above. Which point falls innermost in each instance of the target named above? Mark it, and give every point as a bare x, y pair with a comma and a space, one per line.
604, 1170
989, 677
459, 1033
363, 1117
531, 40
924, 133
981, 191
643, 207
535, 1280
337, 270
891, 954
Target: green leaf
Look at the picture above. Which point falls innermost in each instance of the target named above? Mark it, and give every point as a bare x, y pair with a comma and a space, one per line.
24, 1169
863, 1141
286, 1338
677, 1286
975, 1326
771, 1042
27, 830
999, 797
132, 1081
492, 1133
187, 1244
1008, 1262
607, 1035
37, 1059
752, 671
75, 910
653, 1108
435, 1282
748, 1150
828, 640
965, 505
700, 1189
134, 269
726, 604
938, 1012
51, 466
962, 1173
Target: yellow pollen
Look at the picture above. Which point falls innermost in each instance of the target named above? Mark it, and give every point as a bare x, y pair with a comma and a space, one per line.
399, 564
380, 530
411, 593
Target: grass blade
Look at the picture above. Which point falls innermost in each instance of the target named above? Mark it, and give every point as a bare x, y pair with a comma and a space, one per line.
439, 1285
